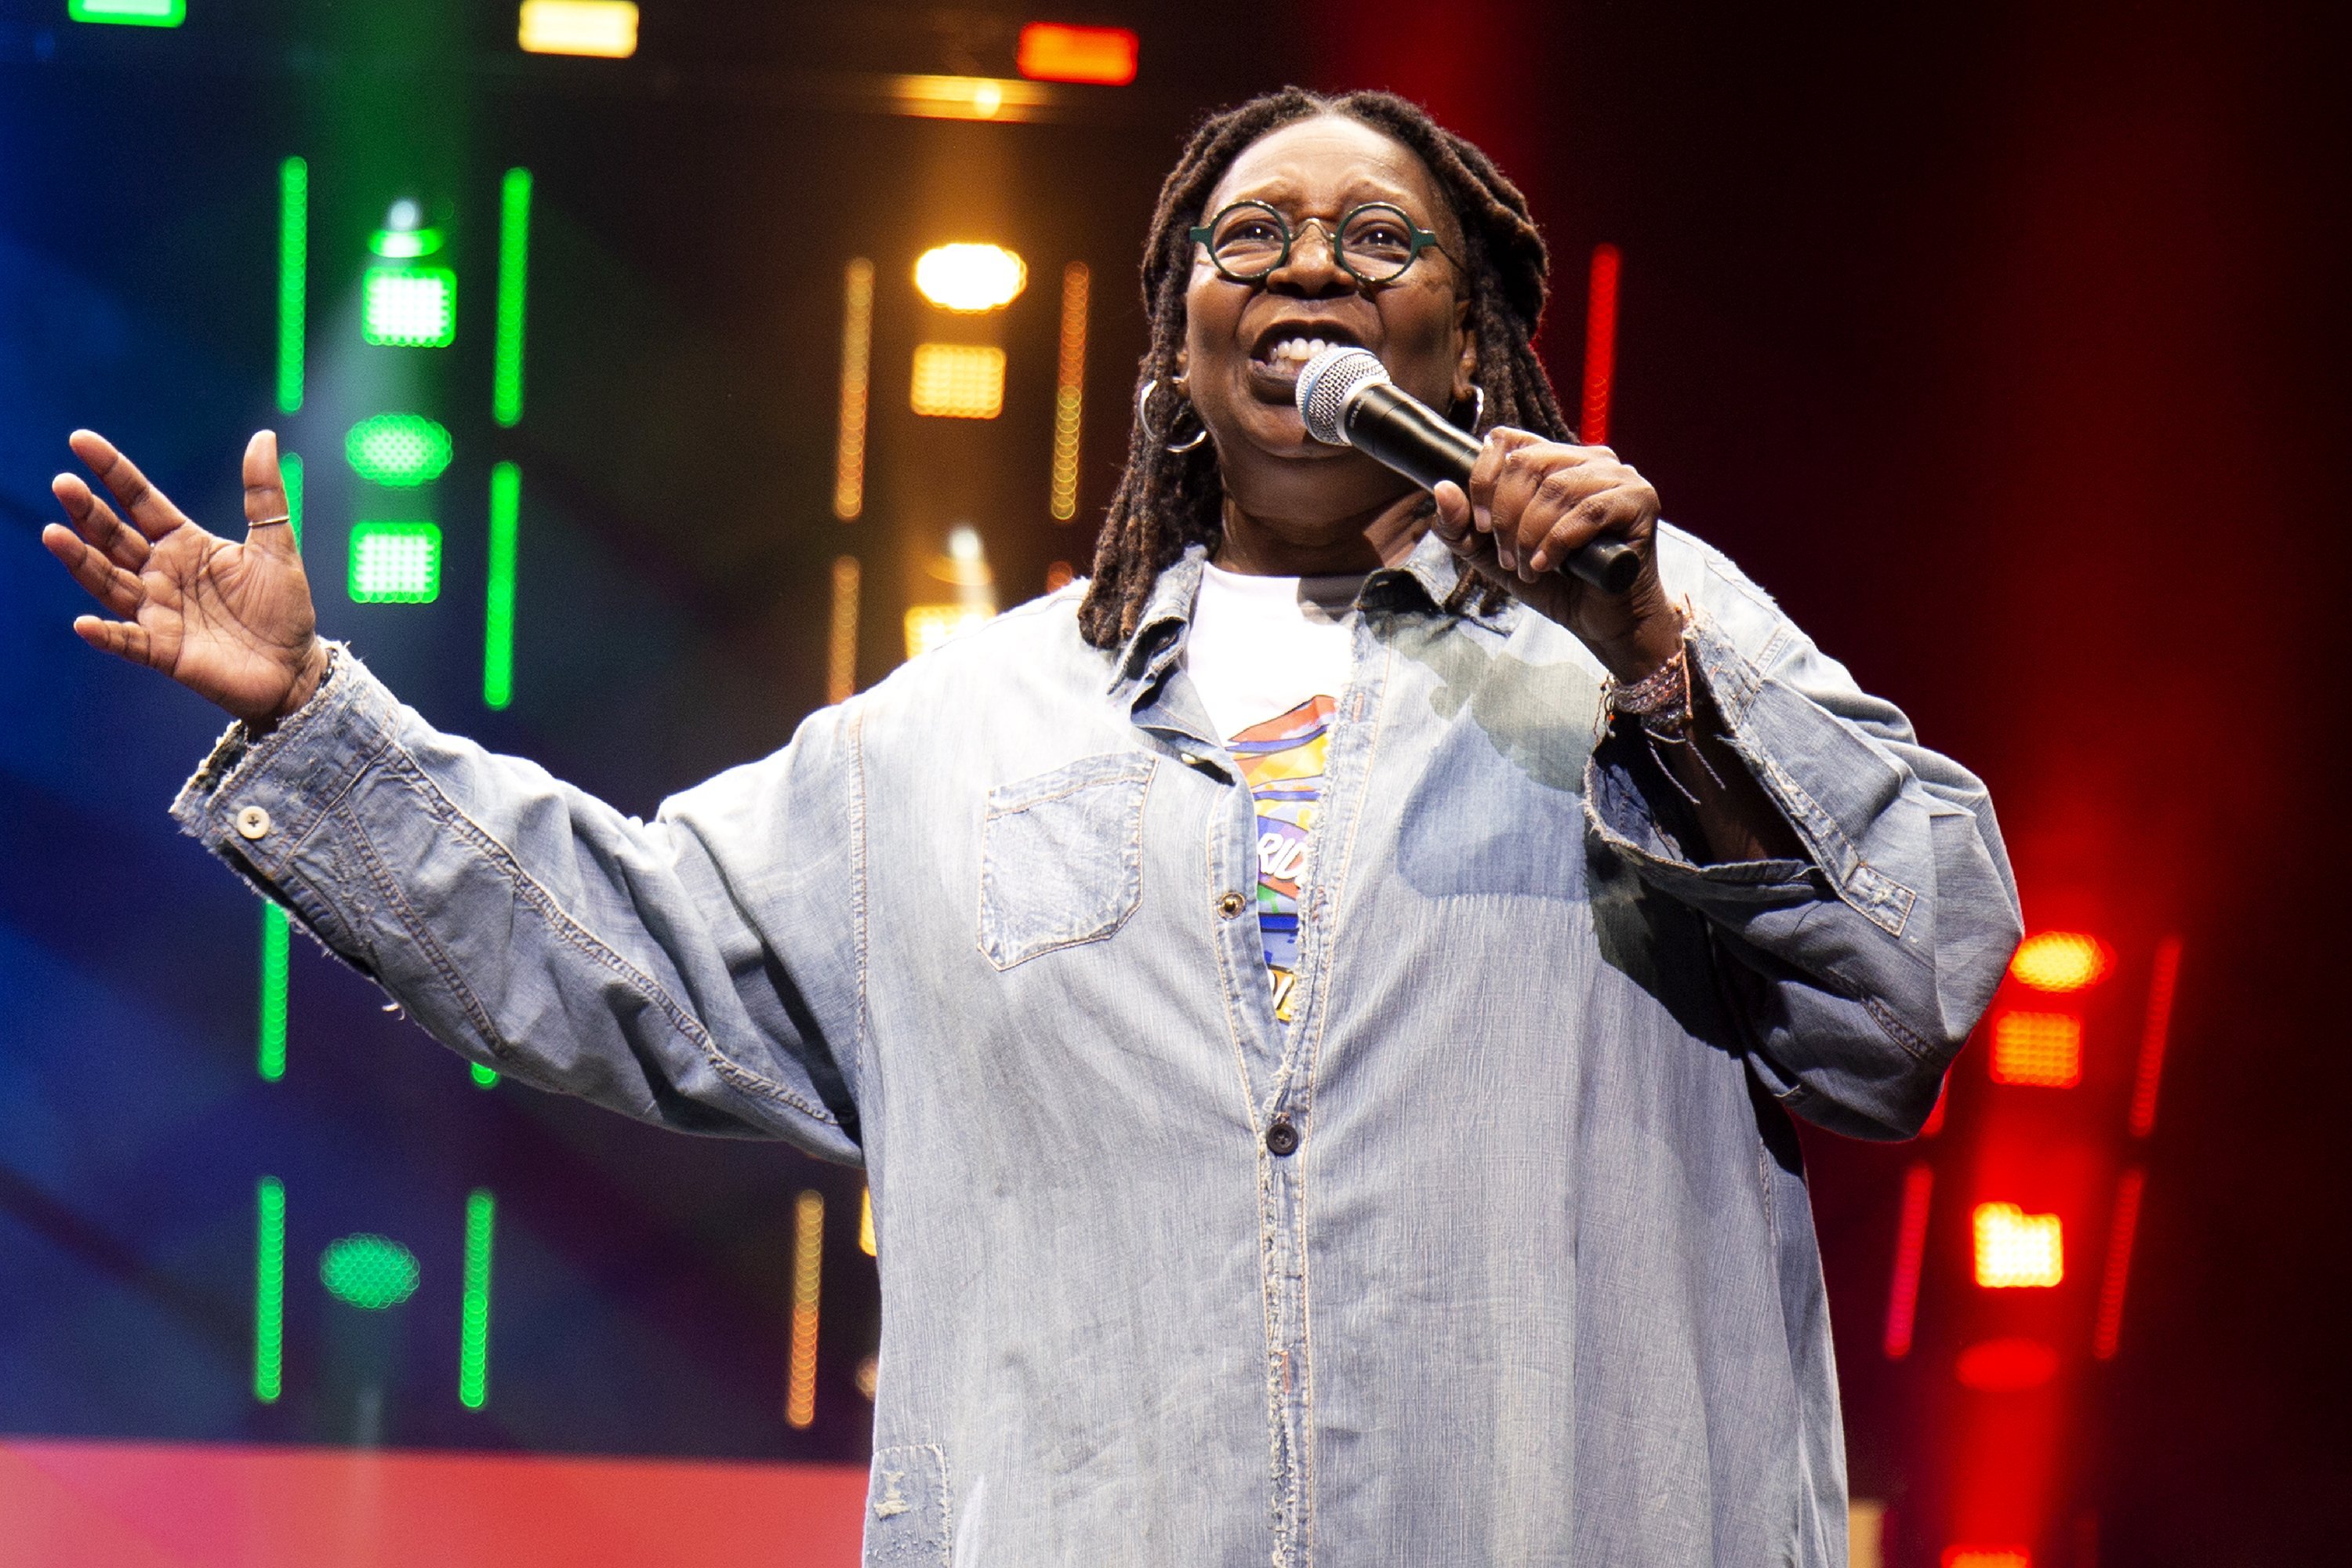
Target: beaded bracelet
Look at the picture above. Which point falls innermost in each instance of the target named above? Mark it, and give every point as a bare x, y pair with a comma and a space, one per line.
1660, 700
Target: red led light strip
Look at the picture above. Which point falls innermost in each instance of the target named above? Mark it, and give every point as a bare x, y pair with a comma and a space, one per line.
1600, 347
2106, 1333
1910, 1251
2160, 987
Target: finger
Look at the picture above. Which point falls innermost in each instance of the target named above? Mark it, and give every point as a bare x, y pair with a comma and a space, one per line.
1557, 495
123, 544
1614, 514
1526, 471
150, 508
1492, 453
101, 578
1453, 512
120, 638
267, 517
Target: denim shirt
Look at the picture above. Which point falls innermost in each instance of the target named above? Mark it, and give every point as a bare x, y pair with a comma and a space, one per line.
1537, 1281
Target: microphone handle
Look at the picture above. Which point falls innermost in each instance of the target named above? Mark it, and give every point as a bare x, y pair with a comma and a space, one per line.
1392, 425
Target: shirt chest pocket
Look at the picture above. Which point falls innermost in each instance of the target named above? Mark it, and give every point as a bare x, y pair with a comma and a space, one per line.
1061, 857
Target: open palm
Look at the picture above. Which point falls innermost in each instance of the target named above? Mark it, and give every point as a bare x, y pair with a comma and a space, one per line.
231, 622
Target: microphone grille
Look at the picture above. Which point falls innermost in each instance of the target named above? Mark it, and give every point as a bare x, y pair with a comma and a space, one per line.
1324, 386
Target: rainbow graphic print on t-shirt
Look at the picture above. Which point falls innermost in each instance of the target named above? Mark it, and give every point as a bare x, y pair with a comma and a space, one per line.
1283, 760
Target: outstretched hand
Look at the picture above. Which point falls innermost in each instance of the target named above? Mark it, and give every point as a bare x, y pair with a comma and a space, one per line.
230, 622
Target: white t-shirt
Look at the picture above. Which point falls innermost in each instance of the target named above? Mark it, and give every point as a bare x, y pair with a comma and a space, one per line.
1269, 657
1261, 646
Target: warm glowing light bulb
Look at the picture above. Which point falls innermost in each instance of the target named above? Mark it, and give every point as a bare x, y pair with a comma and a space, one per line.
2061, 961
971, 277
2018, 1250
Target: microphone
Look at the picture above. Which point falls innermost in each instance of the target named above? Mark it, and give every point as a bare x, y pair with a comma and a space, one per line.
1348, 400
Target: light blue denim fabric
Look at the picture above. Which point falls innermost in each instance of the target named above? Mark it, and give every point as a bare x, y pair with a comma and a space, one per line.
1538, 1284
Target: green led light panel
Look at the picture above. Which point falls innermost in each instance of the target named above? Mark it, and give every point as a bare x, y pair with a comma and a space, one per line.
370, 1272
275, 943
395, 562
474, 1321
270, 1290
128, 13
498, 626
293, 277
398, 450
485, 1078
409, 307
514, 252
290, 470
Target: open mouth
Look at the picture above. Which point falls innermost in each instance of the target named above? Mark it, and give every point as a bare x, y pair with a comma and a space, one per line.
1283, 350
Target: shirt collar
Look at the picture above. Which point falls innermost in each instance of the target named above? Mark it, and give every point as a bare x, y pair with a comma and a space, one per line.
1432, 569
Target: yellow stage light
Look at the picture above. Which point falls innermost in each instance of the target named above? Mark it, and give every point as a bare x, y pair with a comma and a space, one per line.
959, 381
2016, 1249
968, 97
2040, 1049
605, 28
928, 626
971, 277
2061, 961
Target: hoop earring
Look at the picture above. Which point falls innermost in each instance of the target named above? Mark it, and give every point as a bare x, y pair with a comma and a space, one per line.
1478, 408
1143, 417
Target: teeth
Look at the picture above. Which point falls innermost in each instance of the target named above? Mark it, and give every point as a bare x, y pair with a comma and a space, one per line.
1298, 349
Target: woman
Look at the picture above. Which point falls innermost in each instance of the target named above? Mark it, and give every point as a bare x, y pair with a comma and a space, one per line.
1448, 1210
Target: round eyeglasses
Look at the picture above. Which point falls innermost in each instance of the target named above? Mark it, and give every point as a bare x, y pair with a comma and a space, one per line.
1374, 244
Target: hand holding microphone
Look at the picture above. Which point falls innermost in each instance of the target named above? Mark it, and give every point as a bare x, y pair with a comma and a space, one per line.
1566, 526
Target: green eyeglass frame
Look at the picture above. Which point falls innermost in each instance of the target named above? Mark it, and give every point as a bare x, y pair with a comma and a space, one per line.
1419, 240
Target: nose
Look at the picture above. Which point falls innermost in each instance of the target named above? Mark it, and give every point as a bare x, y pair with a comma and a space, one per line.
1312, 273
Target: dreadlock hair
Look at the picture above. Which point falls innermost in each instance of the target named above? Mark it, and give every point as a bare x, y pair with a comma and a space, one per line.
1167, 501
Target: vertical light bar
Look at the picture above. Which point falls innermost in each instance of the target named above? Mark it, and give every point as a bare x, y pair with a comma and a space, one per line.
2159, 1027
2107, 1328
808, 1265
856, 361
514, 253
293, 277
275, 943
290, 471
841, 646
270, 1290
1600, 347
866, 1223
474, 1317
497, 621
1069, 394
1910, 1251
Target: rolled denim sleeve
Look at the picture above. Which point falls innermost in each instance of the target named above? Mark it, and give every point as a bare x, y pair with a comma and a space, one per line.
699, 970
1859, 970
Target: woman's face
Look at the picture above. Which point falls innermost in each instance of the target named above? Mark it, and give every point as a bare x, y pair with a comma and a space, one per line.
1245, 343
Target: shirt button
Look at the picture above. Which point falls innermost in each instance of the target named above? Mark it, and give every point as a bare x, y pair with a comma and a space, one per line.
1281, 1137
253, 822
1231, 904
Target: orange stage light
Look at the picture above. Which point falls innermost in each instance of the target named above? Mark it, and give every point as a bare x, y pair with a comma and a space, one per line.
1050, 51
2061, 961
2005, 1366
1987, 1557
2018, 1250
2043, 1049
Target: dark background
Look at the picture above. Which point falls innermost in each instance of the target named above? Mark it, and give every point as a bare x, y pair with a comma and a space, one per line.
2001, 343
